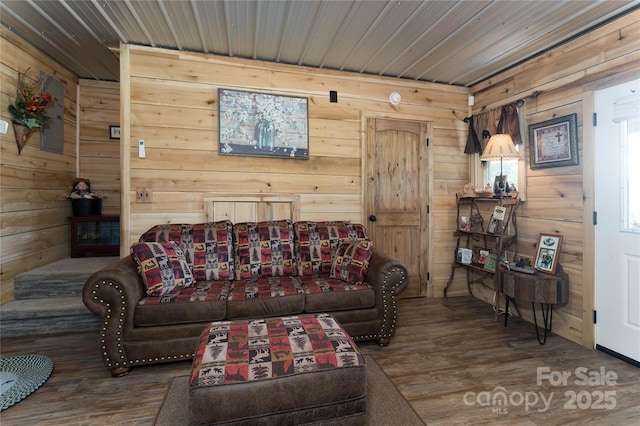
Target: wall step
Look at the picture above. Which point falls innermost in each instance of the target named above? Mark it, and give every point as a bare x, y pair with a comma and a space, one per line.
48, 299
63, 278
36, 316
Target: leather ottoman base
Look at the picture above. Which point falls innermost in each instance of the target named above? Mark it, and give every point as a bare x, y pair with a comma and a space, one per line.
292, 370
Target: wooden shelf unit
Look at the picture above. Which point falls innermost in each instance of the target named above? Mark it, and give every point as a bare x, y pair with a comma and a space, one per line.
480, 212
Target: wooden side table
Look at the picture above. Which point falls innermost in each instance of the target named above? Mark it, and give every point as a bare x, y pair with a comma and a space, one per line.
545, 289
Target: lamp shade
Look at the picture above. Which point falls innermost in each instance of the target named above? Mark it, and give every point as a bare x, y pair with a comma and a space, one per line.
500, 147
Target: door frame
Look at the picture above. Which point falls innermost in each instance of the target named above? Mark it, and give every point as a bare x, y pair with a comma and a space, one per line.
364, 118
589, 191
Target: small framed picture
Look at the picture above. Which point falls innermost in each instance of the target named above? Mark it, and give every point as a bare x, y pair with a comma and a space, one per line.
492, 227
465, 223
114, 132
465, 255
498, 212
500, 184
491, 262
480, 255
548, 252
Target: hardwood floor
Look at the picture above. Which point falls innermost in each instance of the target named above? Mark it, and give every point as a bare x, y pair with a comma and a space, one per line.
449, 359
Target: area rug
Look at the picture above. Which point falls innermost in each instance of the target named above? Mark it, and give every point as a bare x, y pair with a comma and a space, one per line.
385, 405
20, 376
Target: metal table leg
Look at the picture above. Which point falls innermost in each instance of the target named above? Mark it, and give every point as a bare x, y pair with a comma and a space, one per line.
547, 317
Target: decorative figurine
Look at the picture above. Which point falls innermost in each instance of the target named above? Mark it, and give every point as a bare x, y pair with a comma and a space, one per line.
82, 189
469, 190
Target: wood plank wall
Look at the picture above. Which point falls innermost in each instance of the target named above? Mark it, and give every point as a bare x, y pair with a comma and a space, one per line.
34, 228
560, 200
99, 159
173, 107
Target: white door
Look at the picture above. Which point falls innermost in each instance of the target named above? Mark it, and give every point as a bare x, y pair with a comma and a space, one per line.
617, 232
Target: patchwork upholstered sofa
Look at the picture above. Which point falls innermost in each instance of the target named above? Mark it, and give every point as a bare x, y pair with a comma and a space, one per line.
180, 277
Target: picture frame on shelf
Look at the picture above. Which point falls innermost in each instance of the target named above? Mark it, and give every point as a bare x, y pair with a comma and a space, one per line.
500, 181
480, 255
548, 252
491, 262
465, 223
465, 256
492, 227
554, 142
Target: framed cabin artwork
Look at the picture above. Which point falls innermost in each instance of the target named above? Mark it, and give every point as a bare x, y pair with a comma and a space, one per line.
262, 124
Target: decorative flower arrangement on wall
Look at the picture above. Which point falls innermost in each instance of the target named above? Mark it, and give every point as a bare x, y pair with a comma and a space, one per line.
29, 107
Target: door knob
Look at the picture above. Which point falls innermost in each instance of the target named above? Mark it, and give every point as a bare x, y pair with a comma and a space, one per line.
373, 218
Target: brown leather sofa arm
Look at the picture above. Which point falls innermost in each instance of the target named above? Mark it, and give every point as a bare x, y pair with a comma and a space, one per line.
385, 271
389, 277
113, 293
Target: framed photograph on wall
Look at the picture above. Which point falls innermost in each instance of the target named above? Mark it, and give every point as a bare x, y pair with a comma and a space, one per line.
548, 252
261, 124
114, 132
554, 143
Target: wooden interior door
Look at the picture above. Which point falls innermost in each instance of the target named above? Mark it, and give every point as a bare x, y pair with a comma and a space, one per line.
396, 194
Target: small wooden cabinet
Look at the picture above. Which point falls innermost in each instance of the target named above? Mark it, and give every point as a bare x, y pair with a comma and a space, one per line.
478, 230
94, 236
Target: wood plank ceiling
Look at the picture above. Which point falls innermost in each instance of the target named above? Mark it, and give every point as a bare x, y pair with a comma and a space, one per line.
446, 41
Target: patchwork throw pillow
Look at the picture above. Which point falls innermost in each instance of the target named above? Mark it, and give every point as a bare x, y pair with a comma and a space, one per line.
162, 266
179, 233
317, 243
352, 261
264, 249
213, 251
207, 247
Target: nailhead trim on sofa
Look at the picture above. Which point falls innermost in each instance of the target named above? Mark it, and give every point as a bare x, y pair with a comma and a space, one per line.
123, 363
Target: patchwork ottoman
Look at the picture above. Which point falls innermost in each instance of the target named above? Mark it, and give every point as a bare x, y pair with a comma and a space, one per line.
277, 371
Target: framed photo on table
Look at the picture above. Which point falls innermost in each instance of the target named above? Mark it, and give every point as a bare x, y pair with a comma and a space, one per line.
554, 143
548, 252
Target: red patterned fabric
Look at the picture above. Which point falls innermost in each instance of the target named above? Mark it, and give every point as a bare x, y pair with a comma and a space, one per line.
208, 247
264, 288
322, 284
352, 261
213, 251
205, 291
264, 249
317, 243
162, 267
251, 350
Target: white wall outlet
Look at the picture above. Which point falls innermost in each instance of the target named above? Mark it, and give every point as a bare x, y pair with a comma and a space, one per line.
141, 152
